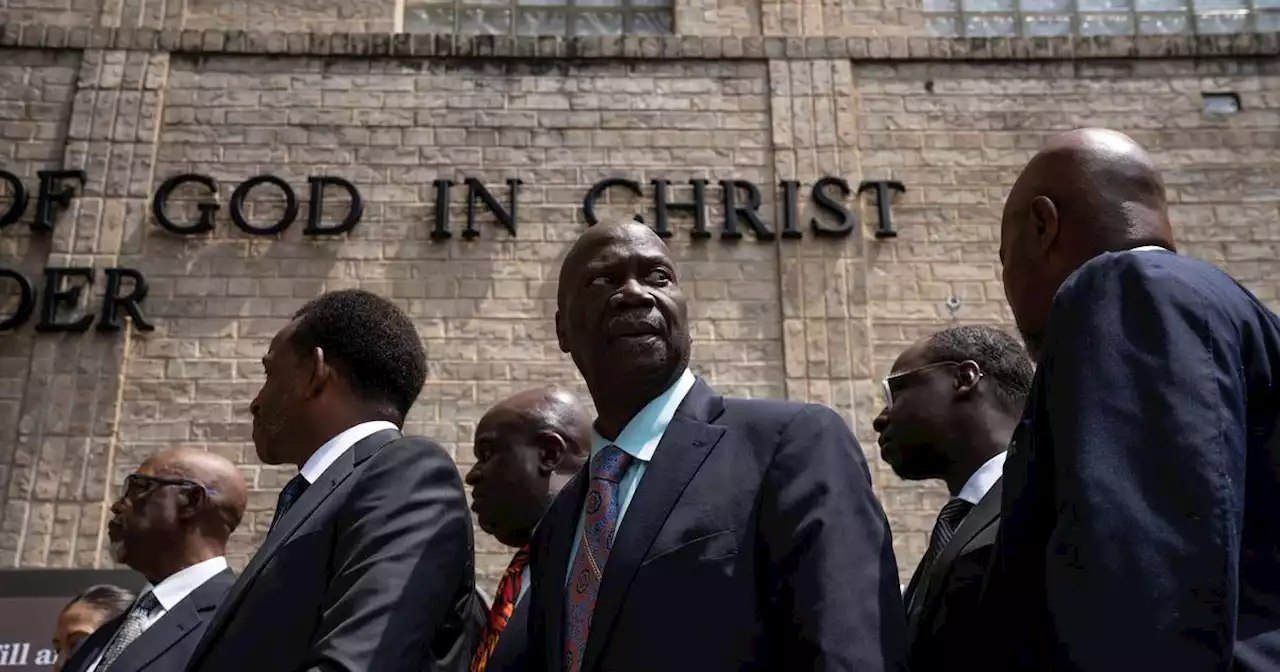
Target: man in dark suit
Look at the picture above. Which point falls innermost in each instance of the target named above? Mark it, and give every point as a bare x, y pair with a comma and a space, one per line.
1141, 519
527, 447
368, 564
706, 533
950, 406
170, 524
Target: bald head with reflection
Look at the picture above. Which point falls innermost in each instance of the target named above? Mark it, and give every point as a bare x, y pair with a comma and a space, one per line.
527, 447
1089, 191
176, 510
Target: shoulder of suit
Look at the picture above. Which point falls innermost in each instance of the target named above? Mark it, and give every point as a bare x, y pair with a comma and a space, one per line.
1155, 268
773, 407
419, 446
770, 413
1162, 277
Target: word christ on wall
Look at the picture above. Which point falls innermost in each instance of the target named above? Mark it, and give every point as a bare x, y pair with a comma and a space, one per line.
126, 288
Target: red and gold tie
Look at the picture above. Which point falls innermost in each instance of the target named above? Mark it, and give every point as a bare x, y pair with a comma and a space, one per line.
504, 603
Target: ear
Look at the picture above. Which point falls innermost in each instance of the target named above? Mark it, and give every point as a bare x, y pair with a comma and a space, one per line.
967, 376
551, 452
320, 372
1044, 217
191, 501
561, 332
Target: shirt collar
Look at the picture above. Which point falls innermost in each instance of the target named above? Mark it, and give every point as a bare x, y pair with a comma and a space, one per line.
1149, 248
179, 585
640, 437
979, 484
332, 449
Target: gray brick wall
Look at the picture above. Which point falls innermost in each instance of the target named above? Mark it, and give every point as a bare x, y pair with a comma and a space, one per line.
807, 319
36, 91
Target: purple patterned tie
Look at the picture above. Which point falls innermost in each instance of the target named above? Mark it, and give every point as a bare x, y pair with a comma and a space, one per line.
600, 518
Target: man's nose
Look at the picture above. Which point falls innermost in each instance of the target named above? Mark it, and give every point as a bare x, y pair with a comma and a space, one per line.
633, 293
473, 475
881, 421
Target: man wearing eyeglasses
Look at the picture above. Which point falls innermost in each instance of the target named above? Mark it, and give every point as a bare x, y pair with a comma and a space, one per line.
951, 404
170, 524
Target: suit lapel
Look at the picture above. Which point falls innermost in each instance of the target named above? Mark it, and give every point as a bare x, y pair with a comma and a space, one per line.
986, 512
910, 593
682, 450
185, 616
311, 499
566, 510
166, 632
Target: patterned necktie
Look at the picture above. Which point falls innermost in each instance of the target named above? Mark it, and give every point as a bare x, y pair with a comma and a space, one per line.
949, 520
504, 603
600, 518
134, 625
292, 491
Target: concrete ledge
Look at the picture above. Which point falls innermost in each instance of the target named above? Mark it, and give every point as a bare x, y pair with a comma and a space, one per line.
645, 48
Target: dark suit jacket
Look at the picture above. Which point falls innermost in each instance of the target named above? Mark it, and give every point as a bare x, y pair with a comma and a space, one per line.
754, 542
1141, 519
514, 638
371, 569
942, 624
167, 645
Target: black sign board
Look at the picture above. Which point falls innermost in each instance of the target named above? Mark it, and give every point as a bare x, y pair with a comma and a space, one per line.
30, 602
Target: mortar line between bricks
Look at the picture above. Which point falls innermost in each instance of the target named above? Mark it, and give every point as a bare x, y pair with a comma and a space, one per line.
867, 347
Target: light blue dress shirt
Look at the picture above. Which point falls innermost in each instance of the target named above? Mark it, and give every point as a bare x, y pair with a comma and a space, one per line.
639, 439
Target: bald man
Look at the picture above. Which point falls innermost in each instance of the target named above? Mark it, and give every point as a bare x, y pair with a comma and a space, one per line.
1141, 513
527, 447
707, 532
170, 524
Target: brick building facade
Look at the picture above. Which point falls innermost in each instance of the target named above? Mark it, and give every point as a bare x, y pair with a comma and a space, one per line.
766, 91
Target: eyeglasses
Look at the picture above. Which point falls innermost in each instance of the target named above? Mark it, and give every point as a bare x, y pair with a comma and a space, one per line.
886, 384
137, 486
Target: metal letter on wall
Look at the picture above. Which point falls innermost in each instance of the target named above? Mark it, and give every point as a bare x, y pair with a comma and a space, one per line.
242, 192
206, 208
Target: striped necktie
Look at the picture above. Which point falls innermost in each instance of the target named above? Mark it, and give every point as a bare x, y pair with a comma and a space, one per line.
949, 520
600, 520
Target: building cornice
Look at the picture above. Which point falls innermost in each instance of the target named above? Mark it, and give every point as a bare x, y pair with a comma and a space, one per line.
889, 49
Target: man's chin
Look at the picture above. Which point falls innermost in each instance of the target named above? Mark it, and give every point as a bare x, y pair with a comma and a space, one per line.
266, 453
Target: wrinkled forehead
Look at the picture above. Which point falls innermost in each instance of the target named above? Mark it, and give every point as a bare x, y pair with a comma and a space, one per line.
613, 247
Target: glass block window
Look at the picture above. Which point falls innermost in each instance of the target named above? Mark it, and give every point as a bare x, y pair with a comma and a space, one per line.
539, 17
1052, 18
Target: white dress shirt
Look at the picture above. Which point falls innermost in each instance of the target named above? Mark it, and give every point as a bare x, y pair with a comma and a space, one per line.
332, 449
639, 439
979, 484
173, 590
